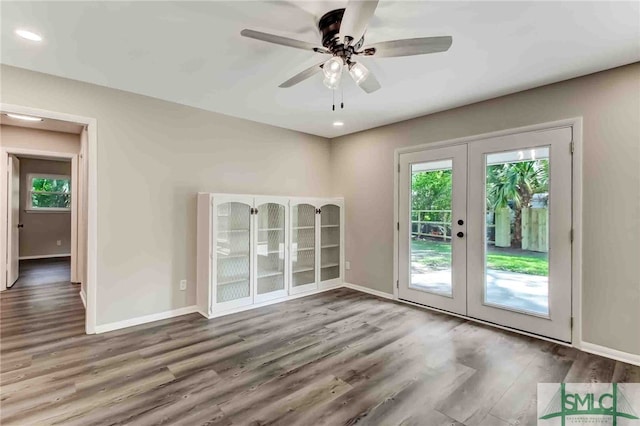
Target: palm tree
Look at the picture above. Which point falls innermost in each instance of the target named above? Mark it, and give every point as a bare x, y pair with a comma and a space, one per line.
513, 185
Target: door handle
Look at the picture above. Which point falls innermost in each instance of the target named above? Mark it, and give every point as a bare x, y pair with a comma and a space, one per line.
460, 234
20, 225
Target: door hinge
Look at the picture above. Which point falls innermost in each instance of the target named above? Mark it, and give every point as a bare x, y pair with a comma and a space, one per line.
397, 283
571, 322
398, 167
571, 147
398, 226
571, 235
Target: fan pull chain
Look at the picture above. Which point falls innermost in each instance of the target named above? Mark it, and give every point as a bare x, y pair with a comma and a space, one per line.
341, 96
333, 100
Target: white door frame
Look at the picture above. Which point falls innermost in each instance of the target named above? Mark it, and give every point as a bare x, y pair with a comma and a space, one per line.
90, 182
576, 249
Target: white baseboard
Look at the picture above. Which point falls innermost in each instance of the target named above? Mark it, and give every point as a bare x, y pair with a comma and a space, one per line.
584, 346
44, 256
84, 299
610, 353
369, 290
103, 328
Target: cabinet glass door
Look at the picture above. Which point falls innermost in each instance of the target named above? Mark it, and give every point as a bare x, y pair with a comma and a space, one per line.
270, 252
233, 252
303, 248
329, 242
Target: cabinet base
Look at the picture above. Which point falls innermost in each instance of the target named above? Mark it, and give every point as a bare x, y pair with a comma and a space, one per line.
270, 302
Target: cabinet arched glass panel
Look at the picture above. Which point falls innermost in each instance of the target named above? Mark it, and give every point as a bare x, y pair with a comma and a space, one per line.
270, 248
329, 242
233, 251
303, 248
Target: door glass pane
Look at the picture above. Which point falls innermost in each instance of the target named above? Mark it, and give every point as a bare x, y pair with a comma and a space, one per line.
431, 192
303, 244
233, 251
270, 248
330, 242
517, 230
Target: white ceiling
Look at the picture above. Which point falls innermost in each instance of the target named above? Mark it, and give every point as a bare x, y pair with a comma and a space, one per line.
192, 53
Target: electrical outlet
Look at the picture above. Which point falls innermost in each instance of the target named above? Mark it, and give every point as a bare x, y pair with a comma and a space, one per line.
183, 284
59, 242
347, 265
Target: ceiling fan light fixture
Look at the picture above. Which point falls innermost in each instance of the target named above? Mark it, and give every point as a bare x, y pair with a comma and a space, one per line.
333, 67
358, 72
332, 82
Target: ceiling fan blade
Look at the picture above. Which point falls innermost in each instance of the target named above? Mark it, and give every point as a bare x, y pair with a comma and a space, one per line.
301, 76
284, 41
410, 46
370, 84
356, 18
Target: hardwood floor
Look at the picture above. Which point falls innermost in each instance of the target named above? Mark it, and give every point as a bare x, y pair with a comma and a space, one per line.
336, 358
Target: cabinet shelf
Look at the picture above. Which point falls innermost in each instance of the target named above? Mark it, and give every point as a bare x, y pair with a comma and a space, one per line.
305, 249
303, 227
298, 271
330, 265
326, 246
267, 274
234, 280
222, 256
271, 252
330, 226
270, 229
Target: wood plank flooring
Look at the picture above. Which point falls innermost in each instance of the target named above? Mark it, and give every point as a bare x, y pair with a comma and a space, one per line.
337, 358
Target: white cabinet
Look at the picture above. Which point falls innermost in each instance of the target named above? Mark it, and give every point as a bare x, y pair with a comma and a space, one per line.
255, 250
270, 240
317, 248
331, 243
304, 246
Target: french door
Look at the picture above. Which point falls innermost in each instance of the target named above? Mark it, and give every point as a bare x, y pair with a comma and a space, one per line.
485, 230
434, 250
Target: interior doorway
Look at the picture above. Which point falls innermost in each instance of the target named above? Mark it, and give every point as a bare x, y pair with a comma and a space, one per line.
74, 193
485, 230
40, 214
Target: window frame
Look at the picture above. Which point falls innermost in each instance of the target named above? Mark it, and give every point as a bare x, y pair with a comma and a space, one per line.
30, 207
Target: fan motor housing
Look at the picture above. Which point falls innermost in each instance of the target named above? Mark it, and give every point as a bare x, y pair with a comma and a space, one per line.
329, 26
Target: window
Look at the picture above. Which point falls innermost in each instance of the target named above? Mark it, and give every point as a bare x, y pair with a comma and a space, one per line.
49, 192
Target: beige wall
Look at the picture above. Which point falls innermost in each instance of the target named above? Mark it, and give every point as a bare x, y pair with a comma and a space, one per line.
153, 156
42, 140
42, 230
609, 102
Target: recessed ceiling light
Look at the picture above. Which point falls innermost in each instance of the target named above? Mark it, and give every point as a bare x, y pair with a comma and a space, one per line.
24, 117
338, 123
29, 35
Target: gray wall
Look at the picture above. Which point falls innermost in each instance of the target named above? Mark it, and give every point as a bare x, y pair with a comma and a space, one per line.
42, 230
609, 102
153, 156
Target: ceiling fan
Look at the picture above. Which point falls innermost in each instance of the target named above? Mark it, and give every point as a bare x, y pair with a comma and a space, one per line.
343, 32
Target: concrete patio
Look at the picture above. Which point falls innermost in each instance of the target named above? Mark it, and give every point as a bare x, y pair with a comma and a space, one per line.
510, 289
